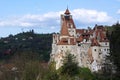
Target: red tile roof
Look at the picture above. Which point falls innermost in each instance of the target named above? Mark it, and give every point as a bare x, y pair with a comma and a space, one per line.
64, 29
72, 22
65, 41
80, 31
99, 27
94, 42
80, 39
91, 31
103, 37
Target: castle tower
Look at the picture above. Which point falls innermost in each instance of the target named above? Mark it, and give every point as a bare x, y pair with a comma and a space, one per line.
67, 25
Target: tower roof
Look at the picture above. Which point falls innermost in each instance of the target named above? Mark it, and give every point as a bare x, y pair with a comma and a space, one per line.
95, 42
64, 29
67, 11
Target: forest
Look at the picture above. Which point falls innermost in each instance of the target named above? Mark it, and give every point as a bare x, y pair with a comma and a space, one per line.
26, 42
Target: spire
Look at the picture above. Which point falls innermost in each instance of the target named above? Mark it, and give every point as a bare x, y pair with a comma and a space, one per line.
67, 12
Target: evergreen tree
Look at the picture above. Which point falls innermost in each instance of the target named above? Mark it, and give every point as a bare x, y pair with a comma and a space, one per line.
115, 47
70, 66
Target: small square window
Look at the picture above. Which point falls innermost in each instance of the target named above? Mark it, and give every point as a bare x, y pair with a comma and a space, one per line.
104, 49
94, 49
105, 43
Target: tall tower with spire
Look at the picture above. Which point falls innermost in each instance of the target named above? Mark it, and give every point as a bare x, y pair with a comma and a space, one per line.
90, 46
67, 24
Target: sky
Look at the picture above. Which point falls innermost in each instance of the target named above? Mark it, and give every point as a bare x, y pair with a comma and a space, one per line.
43, 16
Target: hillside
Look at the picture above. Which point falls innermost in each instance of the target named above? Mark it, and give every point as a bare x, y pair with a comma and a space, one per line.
26, 42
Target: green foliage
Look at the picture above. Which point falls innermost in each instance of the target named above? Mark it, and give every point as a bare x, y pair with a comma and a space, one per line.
114, 37
86, 74
70, 66
7, 76
115, 46
66, 77
51, 75
26, 42
52, 66
31, 71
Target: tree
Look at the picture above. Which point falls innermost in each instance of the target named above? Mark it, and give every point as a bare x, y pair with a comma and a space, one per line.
115, 47
70, 66
32, 70
51, 75
51, 72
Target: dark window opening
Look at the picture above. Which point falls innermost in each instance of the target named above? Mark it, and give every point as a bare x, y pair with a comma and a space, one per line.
94, 49
104, 49
79, 44
67, 17
105, 43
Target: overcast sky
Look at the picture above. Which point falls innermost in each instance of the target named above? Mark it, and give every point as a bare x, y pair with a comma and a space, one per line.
44, 15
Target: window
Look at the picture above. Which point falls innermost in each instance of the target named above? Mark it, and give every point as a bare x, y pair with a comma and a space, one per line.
105, 43
100, 53
67, 17
79, 44
86, 40
104, 49
99, 49
94, 49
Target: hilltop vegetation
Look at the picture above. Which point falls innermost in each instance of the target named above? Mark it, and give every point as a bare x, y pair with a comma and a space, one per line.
26, 42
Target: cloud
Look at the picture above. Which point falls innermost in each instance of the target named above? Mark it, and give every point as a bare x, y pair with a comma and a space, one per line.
118, 11
91, 16
51, 20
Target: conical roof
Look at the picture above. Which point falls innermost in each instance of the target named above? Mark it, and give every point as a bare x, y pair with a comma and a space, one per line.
67, 11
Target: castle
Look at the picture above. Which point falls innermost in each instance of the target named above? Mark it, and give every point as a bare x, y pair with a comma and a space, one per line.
90, 46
